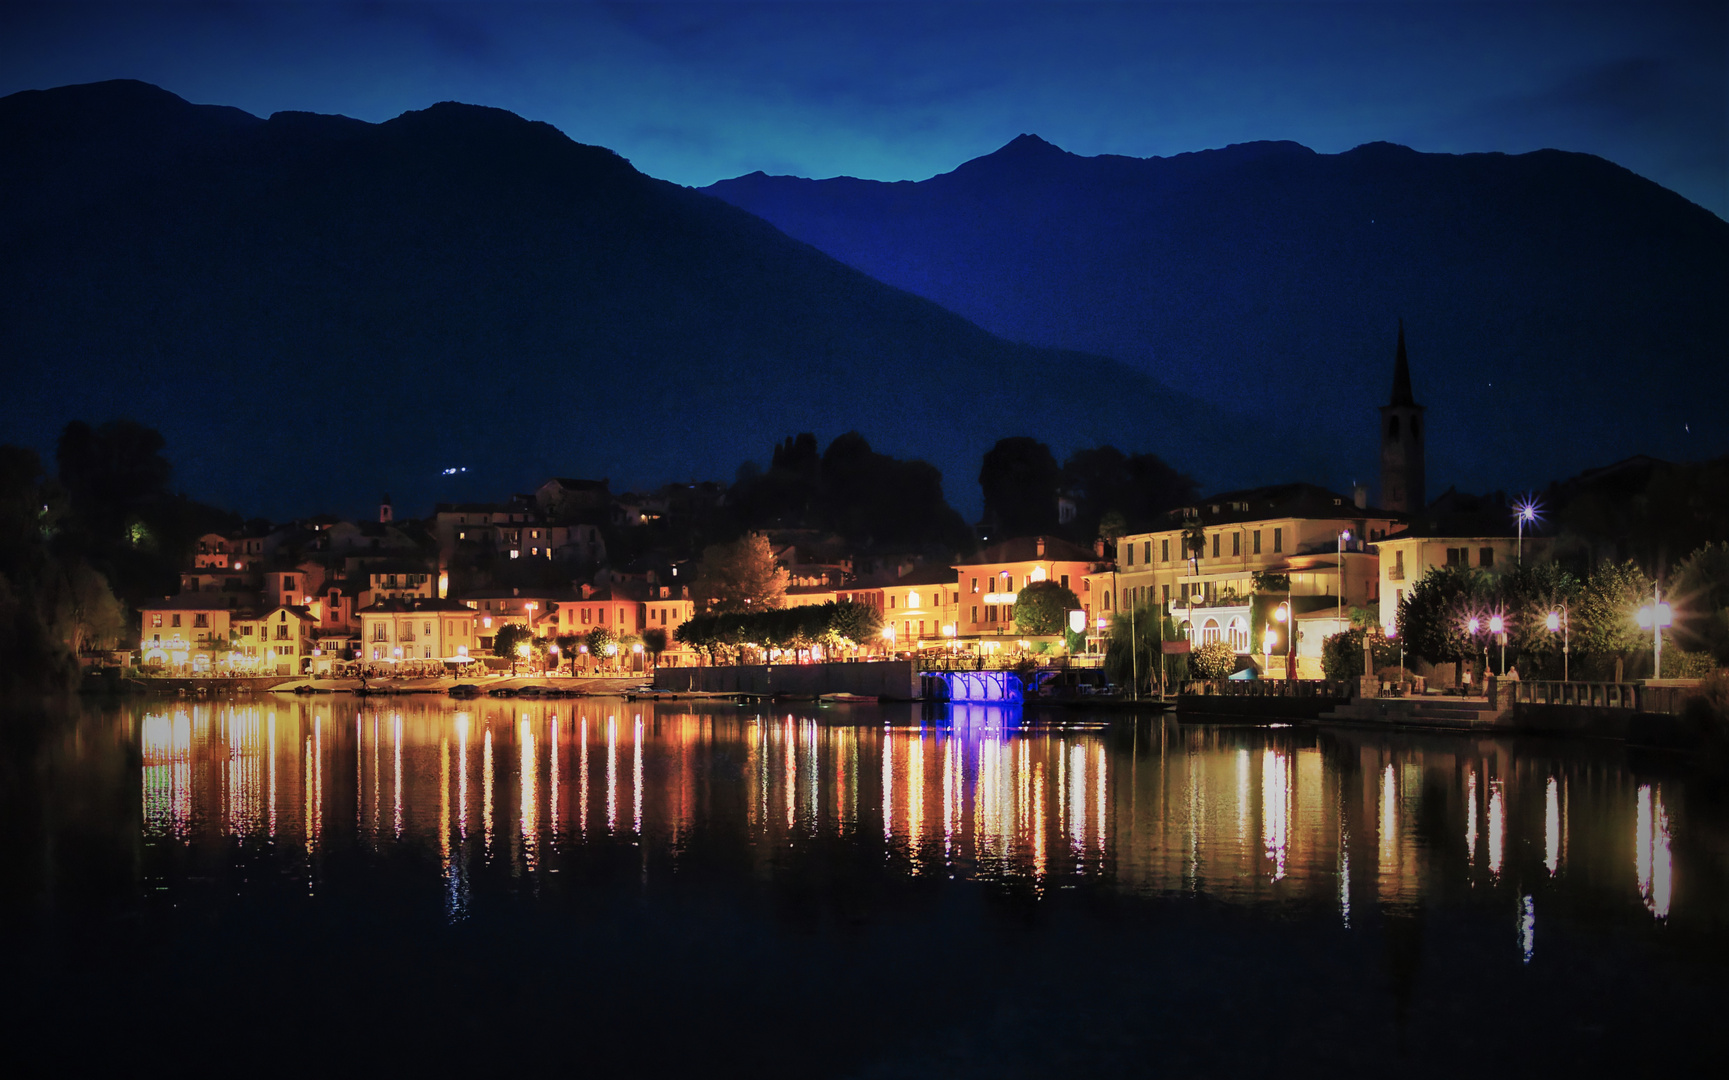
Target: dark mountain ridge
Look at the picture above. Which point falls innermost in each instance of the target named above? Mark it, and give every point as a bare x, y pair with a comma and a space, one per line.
314, 309
1548, 296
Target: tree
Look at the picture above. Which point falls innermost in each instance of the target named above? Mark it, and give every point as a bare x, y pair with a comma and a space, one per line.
1108, 484
1699, 593
1434, 615
602, 645
654, 640
509, 640
1604, 623
1043, 608
1020, 479
1342, 653
853, 624
1214, 660
567, 644
740, 576
1134, 648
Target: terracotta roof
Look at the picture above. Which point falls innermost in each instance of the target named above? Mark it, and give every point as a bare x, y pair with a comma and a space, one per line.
1026, 549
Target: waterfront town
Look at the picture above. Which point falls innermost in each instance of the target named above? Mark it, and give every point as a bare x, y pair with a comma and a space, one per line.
529, 583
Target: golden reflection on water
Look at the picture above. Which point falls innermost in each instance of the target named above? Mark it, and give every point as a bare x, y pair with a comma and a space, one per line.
1333, 818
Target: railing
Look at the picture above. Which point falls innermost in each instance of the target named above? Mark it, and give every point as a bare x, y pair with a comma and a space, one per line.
1006, 663
1335, 688
1600, 695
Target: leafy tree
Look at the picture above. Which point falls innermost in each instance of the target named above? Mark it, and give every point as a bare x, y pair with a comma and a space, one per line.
1043, 608
1527, 595
509, 641
1342, 653
1699, 592
1134, 488
567, 644
602, 645
654, 640
1134, 646
740, 576
1214, 660
853, 624
1112, 525
1604, 621
1020, 479
872, 498
1434, 615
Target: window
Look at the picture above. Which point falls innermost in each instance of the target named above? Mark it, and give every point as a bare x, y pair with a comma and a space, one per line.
176, 619
156, 619
1130, 561
990, 613
1486, 557
892, 600
1457, 556
378, 635
200, 619
426, 628
1215, 545
1257, 543
1167, 594
1399, 565
1278, 541
975, 613
1165, 550
246, 631
1236, 543
975, 589
1066, 577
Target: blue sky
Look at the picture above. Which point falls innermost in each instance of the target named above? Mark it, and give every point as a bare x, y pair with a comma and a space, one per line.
695, 92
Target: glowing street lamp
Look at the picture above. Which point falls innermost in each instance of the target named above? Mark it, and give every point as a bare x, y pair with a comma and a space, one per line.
1524, 511
1557, 620
1285, 615
1344, 538
1654, 617
1498, 627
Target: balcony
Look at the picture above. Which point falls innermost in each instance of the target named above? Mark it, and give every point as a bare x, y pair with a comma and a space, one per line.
1396, 573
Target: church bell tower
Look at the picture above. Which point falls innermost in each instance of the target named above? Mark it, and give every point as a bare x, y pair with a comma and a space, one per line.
1402, 441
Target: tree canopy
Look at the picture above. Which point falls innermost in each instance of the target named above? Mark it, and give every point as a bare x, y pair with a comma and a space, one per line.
740, 576
1043, 608
1020, 480
1114, 491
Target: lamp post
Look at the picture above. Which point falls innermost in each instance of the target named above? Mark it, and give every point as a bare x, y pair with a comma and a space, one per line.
1473, 626
1525, 511
1655, 616
1557, 620
1498, 627
1344, 538
1284, 614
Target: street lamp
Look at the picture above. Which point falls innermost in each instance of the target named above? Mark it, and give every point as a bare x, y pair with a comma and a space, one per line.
1284, 614
1474, 626
1654, 617
1498, 627
1344, 538
1524, 511
1557, 620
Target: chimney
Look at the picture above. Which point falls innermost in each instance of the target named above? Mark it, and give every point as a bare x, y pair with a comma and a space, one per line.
587, 590
1361, 497
1041, 543
1099, 547
684, 592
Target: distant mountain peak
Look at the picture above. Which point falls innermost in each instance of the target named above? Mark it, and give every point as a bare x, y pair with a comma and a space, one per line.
1030, 144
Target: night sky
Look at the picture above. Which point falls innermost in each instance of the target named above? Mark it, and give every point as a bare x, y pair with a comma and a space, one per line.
695, 93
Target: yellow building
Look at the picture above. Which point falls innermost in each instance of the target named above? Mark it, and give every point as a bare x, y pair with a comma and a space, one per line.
1456, 530
278, 642
421, 628
189, 631
921, 608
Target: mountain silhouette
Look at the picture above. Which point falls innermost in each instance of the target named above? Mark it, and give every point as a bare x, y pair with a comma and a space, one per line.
1561, 311
314, 309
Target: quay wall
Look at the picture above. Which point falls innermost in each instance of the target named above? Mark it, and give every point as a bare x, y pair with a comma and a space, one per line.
893, 679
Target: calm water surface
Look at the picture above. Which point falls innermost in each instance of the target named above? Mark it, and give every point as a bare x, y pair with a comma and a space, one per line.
599, 887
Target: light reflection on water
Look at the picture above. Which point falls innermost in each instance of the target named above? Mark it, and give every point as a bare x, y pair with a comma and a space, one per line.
1251, 816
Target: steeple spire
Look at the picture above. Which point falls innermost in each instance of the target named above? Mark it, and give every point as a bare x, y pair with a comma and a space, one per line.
1401, 373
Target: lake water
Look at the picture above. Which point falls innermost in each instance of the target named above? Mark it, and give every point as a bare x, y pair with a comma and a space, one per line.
601, 887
